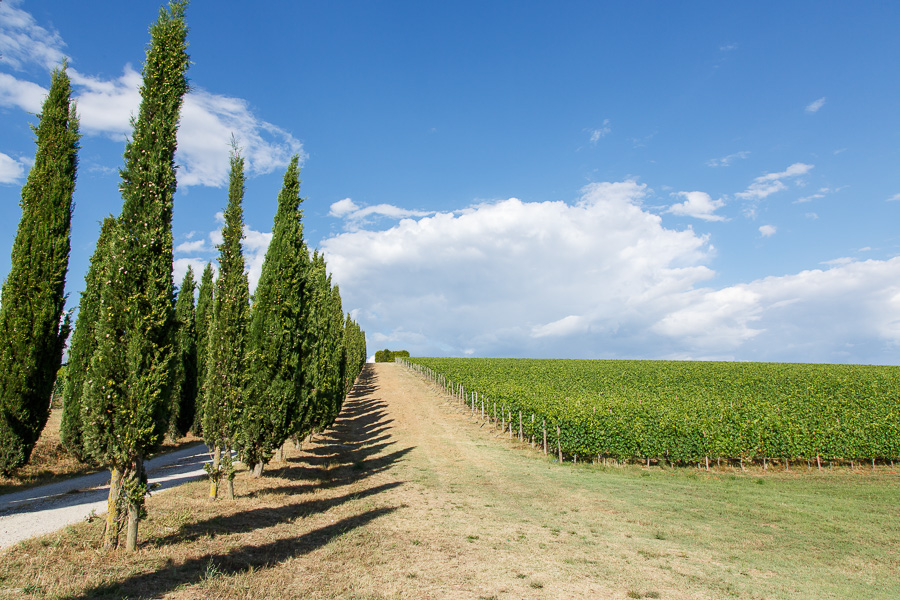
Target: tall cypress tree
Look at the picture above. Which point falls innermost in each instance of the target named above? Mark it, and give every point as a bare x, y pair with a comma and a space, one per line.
355, 344
33, 299
127, 399
203, 318
82, 347
335, 364
184, 385
275, 390
226, 370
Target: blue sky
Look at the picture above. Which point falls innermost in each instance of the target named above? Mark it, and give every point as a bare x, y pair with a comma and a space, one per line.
582, 179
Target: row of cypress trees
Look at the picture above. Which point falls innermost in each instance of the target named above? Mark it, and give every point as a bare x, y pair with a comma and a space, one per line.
144, 363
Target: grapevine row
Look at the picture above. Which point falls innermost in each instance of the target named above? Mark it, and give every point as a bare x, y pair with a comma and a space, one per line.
685, 412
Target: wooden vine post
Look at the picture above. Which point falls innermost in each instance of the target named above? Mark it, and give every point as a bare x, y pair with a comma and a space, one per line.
559, 443
544, 427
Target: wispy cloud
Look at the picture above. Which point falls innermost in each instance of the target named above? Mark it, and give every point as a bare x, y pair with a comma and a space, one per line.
766, 185
814, 106
698, 205
894, 198
597, 134
767, 230
820, 193
24, 42
356, 216
726, 161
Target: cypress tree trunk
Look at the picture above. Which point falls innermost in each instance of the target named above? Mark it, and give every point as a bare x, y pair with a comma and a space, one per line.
126, 401
137, 478
214, 470
33, 296
228, 473
226, 372
111, 534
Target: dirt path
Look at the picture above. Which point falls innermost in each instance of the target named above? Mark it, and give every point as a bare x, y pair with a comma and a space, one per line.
466, 514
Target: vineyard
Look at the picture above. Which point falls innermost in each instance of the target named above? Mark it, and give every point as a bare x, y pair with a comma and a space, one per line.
684, 412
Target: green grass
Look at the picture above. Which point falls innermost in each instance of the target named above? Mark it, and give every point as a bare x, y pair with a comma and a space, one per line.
811, 535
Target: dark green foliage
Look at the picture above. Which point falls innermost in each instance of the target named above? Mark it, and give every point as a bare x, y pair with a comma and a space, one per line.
335, 363
31, 335
355, 351
389, 356
184, 385
127, 397
275, 395
82, 347
203, 319
226, 371
325, 325
313, 346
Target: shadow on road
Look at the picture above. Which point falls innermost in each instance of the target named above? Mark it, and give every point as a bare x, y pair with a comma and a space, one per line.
164, 472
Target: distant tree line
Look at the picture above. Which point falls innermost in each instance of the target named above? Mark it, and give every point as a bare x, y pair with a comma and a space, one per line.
145, 361
389, 356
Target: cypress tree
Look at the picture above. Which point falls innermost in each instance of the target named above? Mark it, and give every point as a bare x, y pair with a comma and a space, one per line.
203, 319
184, 385
354, 353
33, 298
335, 358
312, 355
127, 396
82, 348
226, 372
275, 346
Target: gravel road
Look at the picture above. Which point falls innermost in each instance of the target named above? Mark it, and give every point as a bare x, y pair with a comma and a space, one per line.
45, 509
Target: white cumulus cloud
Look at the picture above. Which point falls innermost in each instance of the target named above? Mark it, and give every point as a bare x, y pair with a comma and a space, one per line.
767, 230
599, 278
698, 205
11, 170
519, 278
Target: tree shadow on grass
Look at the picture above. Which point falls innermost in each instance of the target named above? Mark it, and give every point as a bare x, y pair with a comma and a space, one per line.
193, 571
349, 453
360, 466
261, 518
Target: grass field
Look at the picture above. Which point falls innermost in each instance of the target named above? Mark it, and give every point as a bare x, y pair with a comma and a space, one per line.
410, 498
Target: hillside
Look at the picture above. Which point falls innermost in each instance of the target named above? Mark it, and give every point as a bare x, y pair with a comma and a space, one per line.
409, 498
